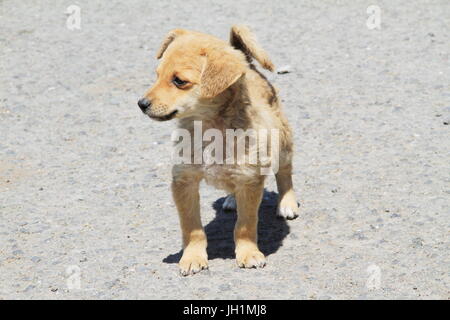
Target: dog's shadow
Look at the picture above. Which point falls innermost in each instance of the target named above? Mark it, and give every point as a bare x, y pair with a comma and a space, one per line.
271, 230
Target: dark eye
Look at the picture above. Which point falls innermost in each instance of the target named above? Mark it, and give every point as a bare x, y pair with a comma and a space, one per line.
178, 82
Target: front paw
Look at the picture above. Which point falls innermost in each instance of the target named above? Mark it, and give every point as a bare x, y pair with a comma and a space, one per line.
193, 262
250, 258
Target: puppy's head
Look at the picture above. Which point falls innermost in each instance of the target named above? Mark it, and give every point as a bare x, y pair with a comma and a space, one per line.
195, 69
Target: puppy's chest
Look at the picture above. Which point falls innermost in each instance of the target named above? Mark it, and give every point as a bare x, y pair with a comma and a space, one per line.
217, 155
224, 169
227, 177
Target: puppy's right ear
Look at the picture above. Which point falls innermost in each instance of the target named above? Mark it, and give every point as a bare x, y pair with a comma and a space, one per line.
171, 36
222, 69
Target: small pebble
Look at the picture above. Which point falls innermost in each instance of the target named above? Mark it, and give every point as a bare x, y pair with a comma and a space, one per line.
284, 69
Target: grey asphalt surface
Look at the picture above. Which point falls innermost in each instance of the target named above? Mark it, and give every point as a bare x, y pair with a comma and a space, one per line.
84, 176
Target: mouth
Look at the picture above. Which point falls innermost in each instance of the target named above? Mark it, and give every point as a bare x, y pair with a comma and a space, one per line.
166, 117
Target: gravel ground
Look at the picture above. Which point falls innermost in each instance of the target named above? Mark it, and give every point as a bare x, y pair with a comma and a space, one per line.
84, 176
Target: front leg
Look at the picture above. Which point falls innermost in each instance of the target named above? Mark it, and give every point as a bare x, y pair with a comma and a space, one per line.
248, 199
185, 191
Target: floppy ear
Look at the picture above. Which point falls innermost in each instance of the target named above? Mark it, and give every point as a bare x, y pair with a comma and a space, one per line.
222, 69
167, 41
242, 39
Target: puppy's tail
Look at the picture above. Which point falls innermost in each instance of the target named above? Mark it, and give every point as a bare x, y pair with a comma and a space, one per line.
241, 38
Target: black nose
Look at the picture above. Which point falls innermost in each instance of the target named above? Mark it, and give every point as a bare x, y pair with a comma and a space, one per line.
144, 103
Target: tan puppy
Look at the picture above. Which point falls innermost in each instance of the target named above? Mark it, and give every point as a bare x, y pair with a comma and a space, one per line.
202, 78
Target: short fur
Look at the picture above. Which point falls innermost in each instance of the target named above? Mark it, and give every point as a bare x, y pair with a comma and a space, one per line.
224, 91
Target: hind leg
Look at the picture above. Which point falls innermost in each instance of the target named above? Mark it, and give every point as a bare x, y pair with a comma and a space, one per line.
288, 206
230, 203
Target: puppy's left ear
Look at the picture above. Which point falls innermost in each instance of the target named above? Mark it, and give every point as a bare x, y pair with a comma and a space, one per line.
170, 37
222, 69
